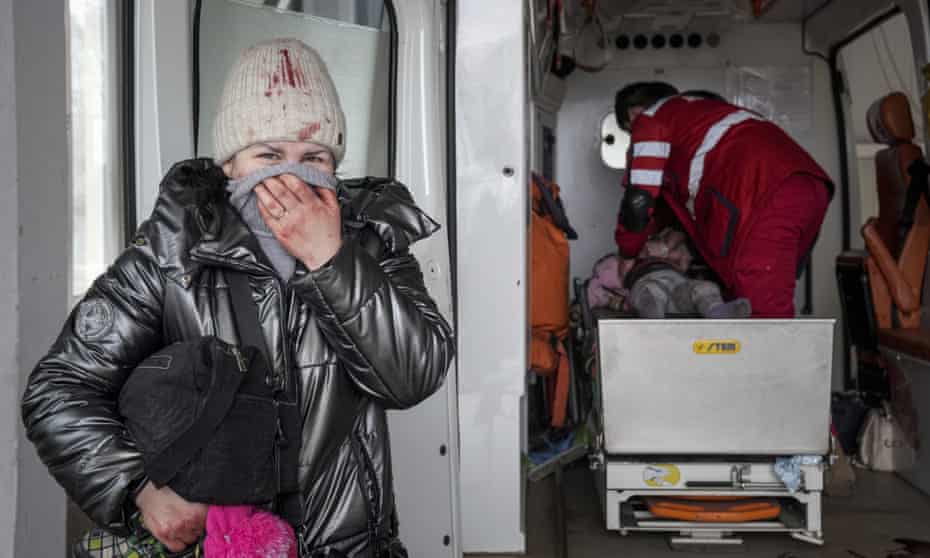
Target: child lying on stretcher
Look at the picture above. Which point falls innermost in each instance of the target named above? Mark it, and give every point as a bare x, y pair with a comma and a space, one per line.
655, 283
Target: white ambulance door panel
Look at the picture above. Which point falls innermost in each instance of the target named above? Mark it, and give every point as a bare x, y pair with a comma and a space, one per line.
491, 185
424, 440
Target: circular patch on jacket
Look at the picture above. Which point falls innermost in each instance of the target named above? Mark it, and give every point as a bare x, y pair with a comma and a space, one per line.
94, 319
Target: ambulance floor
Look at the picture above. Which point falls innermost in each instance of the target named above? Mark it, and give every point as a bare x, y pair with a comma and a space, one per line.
882, 508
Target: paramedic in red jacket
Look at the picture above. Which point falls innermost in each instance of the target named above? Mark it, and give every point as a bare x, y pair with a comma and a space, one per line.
751, 198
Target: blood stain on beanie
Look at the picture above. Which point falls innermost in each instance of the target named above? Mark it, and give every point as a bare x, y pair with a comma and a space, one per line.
291, 73
285, 68
308, 131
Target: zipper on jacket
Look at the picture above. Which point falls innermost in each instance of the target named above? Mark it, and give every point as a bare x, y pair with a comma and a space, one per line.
240, 360
371, 492
279, 440
280, 379
279, 436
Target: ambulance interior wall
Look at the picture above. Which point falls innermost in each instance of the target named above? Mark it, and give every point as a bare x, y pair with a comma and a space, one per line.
591, 191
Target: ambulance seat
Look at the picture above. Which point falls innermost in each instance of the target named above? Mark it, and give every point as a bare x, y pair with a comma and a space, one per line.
880, 288
898, 239
891, 124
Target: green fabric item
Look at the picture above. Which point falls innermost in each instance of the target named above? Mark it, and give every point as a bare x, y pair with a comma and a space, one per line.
99, 543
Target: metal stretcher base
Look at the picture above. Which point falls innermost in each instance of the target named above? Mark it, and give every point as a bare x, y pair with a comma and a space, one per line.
624, 484
703, 408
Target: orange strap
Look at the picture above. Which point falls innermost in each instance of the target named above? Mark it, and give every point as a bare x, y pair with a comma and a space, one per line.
544, 358
548, 357
562, 381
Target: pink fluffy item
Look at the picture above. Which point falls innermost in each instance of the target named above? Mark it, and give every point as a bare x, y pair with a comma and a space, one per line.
247, 532
605, 288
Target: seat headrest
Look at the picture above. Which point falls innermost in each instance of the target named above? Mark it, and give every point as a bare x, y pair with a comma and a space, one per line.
890, 121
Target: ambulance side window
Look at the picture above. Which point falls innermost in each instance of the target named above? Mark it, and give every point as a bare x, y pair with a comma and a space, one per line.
354, 38
368, 13
878, 63
95, 130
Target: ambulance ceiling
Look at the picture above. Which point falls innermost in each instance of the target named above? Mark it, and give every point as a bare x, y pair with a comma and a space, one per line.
828, 21
790, 10
677, 12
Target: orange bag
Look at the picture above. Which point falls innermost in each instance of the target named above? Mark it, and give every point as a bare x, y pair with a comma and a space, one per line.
549, 236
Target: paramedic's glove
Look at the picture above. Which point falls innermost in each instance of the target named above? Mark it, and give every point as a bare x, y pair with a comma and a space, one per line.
304, 219
636, 209
170, 518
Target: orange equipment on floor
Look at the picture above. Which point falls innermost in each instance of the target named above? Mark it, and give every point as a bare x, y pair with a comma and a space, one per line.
715, 511
549, 276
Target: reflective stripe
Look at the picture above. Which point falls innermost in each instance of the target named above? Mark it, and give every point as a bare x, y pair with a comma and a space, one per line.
711, 139
652, 149
651, 111
646, 177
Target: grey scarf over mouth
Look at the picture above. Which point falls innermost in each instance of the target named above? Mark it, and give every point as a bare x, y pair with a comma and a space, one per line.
243, 199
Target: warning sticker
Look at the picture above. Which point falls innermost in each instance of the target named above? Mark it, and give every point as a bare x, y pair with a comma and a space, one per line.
716, 346
662, 475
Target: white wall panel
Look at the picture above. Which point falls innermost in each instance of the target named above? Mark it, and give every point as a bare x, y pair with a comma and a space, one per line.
43, 204
492, 153
9, 286
425, 477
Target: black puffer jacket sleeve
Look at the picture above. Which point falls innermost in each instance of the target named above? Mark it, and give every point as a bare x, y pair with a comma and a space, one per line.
374, 309
70, 404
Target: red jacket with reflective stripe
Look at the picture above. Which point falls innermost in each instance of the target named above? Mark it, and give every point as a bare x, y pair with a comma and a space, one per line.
714, 164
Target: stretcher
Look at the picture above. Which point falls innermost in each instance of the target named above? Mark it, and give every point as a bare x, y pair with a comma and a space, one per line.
692, 416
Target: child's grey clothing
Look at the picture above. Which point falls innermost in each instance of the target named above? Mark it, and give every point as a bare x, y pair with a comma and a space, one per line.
666, 290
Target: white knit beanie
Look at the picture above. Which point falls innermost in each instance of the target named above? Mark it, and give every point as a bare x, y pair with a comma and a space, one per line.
278, 90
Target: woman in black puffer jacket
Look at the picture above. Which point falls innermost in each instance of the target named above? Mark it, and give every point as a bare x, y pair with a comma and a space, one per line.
344, 312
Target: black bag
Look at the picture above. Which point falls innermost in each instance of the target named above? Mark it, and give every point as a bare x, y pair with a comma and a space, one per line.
211, 422
392, 549
848, 411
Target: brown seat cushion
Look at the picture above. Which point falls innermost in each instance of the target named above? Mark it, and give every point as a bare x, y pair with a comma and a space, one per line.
890, 122
913, 342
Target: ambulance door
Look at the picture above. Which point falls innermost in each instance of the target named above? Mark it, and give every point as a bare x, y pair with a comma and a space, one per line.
491, 216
